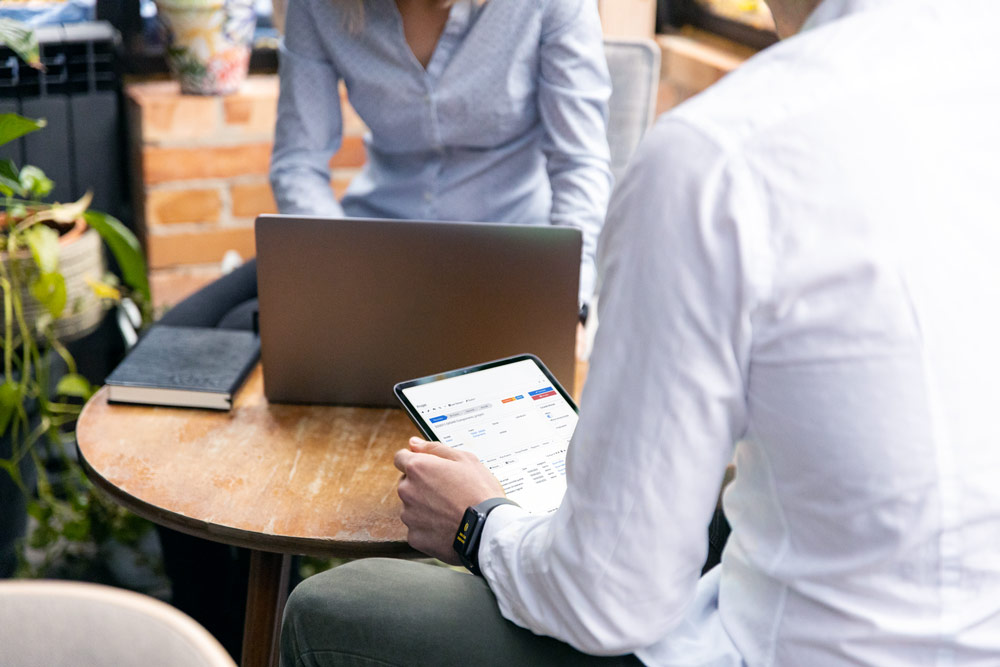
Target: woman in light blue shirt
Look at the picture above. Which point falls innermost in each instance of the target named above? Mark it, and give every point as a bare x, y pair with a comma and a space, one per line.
503, 119
481, 111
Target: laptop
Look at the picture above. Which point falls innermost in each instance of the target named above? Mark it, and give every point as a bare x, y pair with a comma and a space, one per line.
348, 307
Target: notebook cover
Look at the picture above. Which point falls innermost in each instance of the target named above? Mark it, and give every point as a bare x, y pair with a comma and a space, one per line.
186, 359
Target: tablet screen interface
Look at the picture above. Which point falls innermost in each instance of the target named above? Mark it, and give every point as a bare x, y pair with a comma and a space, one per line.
514, 418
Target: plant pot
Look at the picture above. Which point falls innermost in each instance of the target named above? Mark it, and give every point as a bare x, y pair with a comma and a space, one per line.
80, 257
208, 43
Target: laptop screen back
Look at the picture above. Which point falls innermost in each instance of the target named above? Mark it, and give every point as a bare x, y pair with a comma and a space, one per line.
348, 307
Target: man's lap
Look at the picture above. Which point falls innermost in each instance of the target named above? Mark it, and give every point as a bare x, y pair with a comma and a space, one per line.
394, 612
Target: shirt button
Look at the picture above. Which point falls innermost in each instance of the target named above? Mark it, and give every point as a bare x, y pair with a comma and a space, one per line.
427, 98
428, 196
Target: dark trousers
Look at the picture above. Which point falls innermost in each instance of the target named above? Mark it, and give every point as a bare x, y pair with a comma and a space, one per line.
381, 612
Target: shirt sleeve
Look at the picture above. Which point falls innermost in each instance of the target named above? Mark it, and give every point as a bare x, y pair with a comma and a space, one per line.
573, 91
309, 127
614, 569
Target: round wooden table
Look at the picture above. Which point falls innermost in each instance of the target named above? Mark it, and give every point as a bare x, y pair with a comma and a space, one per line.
277, 479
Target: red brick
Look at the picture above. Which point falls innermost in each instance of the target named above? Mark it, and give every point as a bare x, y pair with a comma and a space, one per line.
351, 154
165, 207
353, 125
169, 116
339, 184
161, 165
251, 114
173, 285
250, 200
202, 247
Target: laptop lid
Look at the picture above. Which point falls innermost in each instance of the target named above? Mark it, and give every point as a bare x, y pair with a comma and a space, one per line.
349, 306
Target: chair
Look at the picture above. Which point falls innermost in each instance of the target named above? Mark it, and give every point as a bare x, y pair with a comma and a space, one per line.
62, 623
634, 65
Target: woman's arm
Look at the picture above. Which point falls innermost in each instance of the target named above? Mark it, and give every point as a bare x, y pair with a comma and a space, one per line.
309, 127
573, 91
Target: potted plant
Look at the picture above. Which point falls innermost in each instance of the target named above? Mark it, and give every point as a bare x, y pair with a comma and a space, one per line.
40, 391
54, 288
208, 43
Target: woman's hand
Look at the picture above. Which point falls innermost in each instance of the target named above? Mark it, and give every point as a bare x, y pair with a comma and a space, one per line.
437, 486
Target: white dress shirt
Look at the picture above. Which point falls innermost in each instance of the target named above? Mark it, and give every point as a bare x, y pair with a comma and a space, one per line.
804, 260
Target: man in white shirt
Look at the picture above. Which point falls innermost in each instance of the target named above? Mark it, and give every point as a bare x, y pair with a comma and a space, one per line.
799, 274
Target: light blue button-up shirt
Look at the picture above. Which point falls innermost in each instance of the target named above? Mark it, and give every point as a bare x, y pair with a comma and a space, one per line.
507, 123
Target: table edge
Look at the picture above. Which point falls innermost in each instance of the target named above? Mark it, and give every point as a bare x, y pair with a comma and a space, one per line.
285, 544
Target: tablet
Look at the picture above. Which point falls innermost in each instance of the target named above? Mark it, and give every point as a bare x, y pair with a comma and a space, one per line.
511, 413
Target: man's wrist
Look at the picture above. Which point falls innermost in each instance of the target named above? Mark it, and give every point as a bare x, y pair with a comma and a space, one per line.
470, 532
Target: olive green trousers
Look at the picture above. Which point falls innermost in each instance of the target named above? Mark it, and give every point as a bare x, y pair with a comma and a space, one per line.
393, 613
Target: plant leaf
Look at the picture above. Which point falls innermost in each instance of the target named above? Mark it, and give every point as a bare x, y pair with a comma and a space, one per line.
39, 511
8, 169
66, 213
44, 244
22, 40
49, 289
103, 290
76, 530
10, 183
125, 248
14, 126
10, 398
74, 384
34, 181
7, 187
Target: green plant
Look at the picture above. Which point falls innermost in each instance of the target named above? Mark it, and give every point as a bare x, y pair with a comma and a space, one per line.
21, 40
41, 392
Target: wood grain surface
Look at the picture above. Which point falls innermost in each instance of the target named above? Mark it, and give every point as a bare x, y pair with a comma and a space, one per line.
301, 479
304, 479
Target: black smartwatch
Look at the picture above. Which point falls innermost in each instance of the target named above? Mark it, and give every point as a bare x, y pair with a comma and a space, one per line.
471, 530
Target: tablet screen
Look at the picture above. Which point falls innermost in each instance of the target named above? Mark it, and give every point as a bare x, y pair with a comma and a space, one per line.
511, 413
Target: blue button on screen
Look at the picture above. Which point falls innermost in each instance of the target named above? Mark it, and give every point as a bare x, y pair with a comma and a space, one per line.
441, 418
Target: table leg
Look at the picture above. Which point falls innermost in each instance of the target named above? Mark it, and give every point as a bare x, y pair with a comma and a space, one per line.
269, 574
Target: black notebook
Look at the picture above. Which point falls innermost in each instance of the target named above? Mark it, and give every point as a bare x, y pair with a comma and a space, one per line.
185, 366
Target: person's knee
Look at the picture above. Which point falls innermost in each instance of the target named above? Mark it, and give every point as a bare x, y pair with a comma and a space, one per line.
342, 588
340, 598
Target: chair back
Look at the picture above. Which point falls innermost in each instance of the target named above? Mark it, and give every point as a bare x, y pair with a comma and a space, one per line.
64, 623
634, 65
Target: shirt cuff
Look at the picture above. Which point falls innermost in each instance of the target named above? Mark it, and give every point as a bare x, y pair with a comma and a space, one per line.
498, 521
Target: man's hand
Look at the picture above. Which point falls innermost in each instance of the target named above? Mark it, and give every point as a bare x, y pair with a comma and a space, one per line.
437, 486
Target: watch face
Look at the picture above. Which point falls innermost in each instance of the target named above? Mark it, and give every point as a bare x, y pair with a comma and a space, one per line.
465, 539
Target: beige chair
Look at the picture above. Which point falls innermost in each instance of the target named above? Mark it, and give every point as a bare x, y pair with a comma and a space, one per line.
634, 65
63, 624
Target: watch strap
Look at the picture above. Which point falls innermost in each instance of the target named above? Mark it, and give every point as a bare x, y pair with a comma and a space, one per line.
470, 531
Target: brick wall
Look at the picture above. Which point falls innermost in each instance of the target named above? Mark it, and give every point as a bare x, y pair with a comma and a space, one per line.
200, 175
201, 162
